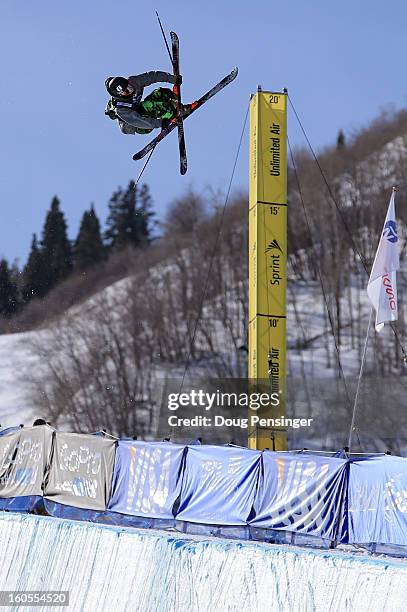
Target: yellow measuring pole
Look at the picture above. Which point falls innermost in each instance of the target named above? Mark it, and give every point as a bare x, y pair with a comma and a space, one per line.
268, 265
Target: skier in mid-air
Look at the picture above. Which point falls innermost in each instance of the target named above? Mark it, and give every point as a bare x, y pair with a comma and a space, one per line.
138, 116
162, 108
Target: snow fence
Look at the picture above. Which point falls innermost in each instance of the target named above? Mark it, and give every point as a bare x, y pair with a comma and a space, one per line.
230, 491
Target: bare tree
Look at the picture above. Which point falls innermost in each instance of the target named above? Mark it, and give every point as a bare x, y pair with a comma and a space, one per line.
95, 370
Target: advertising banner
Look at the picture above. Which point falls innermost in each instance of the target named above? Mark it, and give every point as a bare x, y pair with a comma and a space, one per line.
301, 493
219, 485
24, 456
146, 478
81, 471
377, 506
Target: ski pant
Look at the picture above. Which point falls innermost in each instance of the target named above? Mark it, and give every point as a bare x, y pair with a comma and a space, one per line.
160, 104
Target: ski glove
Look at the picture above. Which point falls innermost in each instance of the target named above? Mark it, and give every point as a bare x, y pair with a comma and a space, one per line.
110, 110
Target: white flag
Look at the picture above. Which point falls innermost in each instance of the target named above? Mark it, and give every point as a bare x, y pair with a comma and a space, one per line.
382, 286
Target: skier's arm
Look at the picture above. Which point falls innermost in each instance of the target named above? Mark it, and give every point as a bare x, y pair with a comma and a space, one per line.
139, 81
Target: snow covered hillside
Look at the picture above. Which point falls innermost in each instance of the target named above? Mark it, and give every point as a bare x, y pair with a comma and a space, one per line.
15, 356
313, 384
101, 364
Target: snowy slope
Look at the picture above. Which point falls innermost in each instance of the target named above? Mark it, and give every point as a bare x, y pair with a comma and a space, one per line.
306, 321
15, 357
109, 568
311, 350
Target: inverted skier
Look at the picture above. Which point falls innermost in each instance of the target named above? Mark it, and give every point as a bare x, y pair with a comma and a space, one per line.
138, 116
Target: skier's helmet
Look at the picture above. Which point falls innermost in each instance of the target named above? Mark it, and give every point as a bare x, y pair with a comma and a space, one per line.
118, 87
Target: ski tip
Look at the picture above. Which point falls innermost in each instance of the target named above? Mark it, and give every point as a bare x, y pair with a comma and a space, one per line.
174, 36
235, 71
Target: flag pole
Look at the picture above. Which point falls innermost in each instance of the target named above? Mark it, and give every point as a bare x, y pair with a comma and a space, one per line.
381, 288
355, 405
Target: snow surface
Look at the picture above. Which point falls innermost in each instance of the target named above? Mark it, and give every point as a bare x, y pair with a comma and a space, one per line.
111, 568
15, 358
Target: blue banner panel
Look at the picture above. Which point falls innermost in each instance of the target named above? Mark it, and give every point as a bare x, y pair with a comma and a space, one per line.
70, 512
301, 493
29, 503
377, 506
146, 479
219, 485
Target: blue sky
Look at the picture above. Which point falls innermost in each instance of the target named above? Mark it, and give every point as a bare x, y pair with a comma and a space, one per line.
342, 63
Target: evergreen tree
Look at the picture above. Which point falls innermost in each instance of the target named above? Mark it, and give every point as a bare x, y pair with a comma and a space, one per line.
55, 247
114, 205
145, 215
8, 291
88, 247
129, 217
16, 279
340, 140
34, 281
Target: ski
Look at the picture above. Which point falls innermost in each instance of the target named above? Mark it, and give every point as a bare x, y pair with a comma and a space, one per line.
177, 91
194, 106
